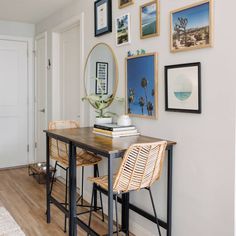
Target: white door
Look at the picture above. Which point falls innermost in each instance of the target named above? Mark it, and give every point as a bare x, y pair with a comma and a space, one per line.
13, 104
41, 92
70, 74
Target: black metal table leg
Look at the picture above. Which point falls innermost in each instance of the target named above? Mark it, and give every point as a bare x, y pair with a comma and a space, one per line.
48, 180
72, 190
169, 190
110, 196
125, 213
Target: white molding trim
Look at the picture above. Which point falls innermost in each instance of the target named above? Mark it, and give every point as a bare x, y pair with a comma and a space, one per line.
66, 25
37, 37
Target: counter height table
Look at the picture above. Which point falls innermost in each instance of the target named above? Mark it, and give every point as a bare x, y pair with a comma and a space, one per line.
110, 149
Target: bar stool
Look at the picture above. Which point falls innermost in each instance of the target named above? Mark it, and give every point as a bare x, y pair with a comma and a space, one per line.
59, 153
140, 168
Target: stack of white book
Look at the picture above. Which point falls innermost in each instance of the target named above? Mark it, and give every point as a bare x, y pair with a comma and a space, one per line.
115, 131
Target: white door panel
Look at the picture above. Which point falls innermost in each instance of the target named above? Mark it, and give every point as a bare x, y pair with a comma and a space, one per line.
13, 104
70, 79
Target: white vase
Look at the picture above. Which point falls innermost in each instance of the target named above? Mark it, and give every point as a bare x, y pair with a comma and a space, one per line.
103, 120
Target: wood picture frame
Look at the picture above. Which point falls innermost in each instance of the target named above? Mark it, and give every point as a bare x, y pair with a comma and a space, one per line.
149, 27
142, 93
183, 88
102, 17
200, 32
125, 3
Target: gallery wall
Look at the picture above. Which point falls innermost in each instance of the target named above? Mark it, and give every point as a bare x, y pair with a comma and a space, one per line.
203, 174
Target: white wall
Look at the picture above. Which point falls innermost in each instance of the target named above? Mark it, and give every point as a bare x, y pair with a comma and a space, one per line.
203, 177
12, 28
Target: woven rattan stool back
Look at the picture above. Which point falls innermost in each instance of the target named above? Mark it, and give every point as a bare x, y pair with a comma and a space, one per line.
141, 166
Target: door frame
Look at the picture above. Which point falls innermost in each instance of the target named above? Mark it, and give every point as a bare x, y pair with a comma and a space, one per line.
56, 31
30, 92
37, 37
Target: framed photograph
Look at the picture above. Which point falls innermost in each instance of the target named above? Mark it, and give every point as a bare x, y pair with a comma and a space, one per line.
183, 88
141, 86
123, 30
191, 27
102, 17
150, 19
101, 86
125, 3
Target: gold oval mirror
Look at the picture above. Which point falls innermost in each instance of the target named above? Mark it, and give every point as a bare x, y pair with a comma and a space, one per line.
101, 75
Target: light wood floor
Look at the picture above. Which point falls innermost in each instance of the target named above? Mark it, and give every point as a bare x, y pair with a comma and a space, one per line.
24, 198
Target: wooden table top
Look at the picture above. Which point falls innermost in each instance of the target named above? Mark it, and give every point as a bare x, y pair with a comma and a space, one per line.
85, 138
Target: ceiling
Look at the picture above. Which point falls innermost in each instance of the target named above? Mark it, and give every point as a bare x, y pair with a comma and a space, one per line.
30, 11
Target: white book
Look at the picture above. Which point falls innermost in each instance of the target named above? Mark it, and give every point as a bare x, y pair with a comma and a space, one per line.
117, 136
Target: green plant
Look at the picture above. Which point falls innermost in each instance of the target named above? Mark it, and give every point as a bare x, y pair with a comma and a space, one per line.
101, 102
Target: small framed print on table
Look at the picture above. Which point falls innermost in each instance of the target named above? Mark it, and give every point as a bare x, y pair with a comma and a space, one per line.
102, 17
101, 86
183, 88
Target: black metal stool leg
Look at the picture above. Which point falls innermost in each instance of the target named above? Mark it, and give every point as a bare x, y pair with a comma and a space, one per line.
91, 209
101, 202
82, 190
53, 177
101, 206
52, 181
154, 209
117, 223
66, 199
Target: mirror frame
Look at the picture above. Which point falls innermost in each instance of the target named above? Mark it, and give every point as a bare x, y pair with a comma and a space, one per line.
116, 67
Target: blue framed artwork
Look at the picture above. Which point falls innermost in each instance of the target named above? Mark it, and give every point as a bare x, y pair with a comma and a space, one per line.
141, 86
191, 27
150, 19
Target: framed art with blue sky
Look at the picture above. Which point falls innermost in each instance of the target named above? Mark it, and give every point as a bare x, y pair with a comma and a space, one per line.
141, 86
191, 27
150, 19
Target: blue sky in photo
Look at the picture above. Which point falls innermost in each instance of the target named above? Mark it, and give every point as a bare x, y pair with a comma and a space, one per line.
125, 20
149, 13
197, 16
137, 68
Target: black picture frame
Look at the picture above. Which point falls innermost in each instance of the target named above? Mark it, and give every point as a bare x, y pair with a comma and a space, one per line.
97, 92
183, 96
108, 27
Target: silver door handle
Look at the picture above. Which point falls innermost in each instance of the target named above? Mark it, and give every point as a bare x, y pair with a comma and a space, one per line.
42, 110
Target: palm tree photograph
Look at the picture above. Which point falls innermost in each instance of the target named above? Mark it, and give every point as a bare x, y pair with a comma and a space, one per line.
142, 85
